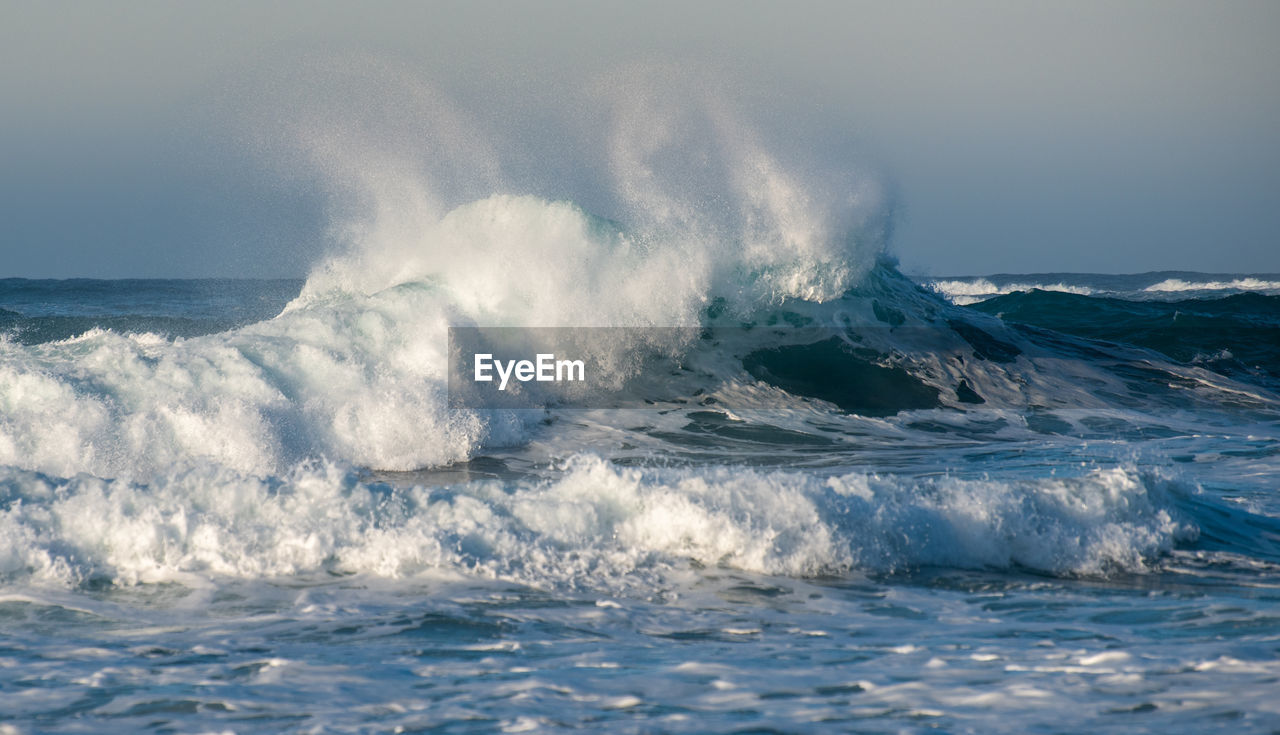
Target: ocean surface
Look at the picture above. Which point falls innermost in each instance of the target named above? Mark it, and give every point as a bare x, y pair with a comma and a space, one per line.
1036, 503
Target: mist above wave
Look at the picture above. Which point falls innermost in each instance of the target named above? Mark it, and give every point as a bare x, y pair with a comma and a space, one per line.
691, 198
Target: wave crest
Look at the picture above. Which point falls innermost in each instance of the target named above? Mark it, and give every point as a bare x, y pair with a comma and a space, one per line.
593, 525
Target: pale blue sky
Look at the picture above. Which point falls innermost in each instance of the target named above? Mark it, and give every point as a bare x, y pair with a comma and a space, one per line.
137, 137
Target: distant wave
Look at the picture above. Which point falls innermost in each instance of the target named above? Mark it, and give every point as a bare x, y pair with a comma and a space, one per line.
964, 293
1238, 284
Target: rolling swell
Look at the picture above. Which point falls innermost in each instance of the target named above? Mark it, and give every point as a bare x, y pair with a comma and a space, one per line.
1236, 335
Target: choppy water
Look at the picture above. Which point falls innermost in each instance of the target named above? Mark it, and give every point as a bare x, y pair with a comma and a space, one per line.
216, 516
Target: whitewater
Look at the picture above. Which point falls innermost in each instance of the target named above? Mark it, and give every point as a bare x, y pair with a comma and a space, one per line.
249, 506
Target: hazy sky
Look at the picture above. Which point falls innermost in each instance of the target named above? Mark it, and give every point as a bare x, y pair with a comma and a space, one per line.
141, 139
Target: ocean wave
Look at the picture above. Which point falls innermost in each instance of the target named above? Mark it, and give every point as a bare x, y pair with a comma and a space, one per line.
1238, 284
354, 369
716, 226
1236, 335
965, 292
593, 525
428, 235
362, 378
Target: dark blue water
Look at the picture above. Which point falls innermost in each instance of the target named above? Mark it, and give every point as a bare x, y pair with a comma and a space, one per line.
33, 311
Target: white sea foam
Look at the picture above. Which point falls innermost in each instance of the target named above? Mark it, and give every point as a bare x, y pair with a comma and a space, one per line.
595, 524
360, 381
